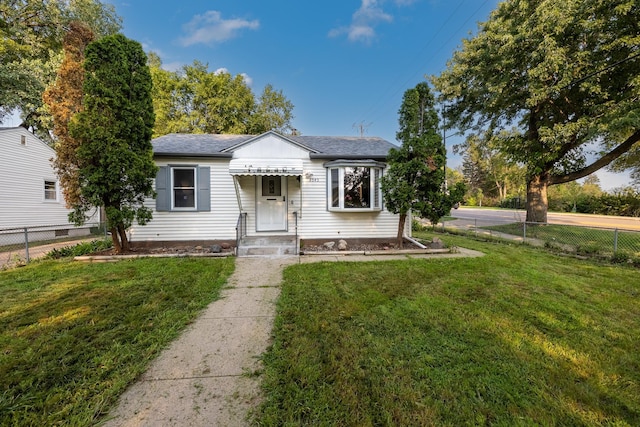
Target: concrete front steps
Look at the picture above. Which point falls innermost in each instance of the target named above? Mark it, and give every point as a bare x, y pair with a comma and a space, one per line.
267, 246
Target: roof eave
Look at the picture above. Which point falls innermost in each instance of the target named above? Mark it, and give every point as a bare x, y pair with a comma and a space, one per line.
323, 156
209, 155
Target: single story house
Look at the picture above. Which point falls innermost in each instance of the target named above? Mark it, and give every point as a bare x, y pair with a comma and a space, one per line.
224, 187
31, 192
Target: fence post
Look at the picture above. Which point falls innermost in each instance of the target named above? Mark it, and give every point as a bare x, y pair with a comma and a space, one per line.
475, 226
26, 243
524, 232
615, 241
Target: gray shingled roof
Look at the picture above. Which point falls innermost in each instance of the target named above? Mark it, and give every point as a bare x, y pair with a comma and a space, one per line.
322, 147
180, 144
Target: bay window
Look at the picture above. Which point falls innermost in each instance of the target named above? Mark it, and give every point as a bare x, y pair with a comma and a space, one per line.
354, 185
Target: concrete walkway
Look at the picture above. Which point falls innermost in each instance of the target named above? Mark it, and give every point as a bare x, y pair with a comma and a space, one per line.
205, 377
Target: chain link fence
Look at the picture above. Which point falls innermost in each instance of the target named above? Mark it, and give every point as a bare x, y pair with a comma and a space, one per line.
20, 245
617, 244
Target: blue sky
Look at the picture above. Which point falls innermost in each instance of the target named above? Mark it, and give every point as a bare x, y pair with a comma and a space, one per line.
344, 64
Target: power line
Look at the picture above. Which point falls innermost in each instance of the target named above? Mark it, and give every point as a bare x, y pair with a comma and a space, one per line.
595, 73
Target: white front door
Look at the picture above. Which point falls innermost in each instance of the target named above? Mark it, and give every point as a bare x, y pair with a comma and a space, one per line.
271, 212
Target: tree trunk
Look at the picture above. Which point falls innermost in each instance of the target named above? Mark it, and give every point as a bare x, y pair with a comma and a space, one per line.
537, 203
115, 240
500, 190
123, 238
401, 221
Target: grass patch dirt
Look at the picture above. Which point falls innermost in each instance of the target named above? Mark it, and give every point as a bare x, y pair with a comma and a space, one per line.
74, 336
517, 337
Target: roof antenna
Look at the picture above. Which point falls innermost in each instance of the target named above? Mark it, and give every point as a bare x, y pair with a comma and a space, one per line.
361, 127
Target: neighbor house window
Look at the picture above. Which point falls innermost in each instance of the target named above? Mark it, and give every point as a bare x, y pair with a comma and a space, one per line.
50, 191
354, 185
184, 187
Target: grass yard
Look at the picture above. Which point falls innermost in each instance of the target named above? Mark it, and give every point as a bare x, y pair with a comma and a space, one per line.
519, 337
74, 335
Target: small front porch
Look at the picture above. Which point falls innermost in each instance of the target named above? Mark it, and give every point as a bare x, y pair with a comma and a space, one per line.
284, 245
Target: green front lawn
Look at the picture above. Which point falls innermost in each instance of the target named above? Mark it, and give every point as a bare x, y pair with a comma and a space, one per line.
74, 335
518, 337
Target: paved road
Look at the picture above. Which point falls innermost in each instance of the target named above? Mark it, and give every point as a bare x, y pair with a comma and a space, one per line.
505, 216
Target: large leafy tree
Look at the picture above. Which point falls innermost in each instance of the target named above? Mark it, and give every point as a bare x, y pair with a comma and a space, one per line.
64, 99
196, 100
272, 112
414, 180
565, 73
116, 167
31, 34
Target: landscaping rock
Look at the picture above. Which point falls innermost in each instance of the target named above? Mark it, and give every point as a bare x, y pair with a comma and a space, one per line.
342, 245
225, 245
329, 245
436, 243
216, 249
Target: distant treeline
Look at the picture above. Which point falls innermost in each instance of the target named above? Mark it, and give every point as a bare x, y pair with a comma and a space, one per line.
621, 203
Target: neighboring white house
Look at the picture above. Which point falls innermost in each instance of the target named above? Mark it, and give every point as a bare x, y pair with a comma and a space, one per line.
271, 185
31, 195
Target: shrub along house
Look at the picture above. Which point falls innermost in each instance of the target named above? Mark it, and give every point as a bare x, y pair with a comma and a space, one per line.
256, 190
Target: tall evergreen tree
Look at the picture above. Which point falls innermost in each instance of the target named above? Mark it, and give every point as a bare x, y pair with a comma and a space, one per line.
116, 167
414, 180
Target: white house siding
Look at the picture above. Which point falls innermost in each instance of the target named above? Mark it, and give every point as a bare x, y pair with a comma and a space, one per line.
318, 222
23, 171
307, 197
270, 147
218, 224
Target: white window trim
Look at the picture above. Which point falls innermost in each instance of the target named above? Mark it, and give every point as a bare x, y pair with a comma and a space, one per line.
340, 166
194, 169
44, 188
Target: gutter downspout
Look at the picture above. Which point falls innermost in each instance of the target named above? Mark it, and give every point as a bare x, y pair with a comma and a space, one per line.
415, 242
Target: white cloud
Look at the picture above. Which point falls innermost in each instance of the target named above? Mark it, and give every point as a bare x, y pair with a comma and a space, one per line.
363, 22
210, 28
247, 79
172, 66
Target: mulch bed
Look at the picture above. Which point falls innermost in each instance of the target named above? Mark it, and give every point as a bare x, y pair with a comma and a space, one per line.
307, 248
171, 250
358, 247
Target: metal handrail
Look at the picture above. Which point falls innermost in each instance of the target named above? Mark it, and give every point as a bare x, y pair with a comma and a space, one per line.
295, 216
241, 229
